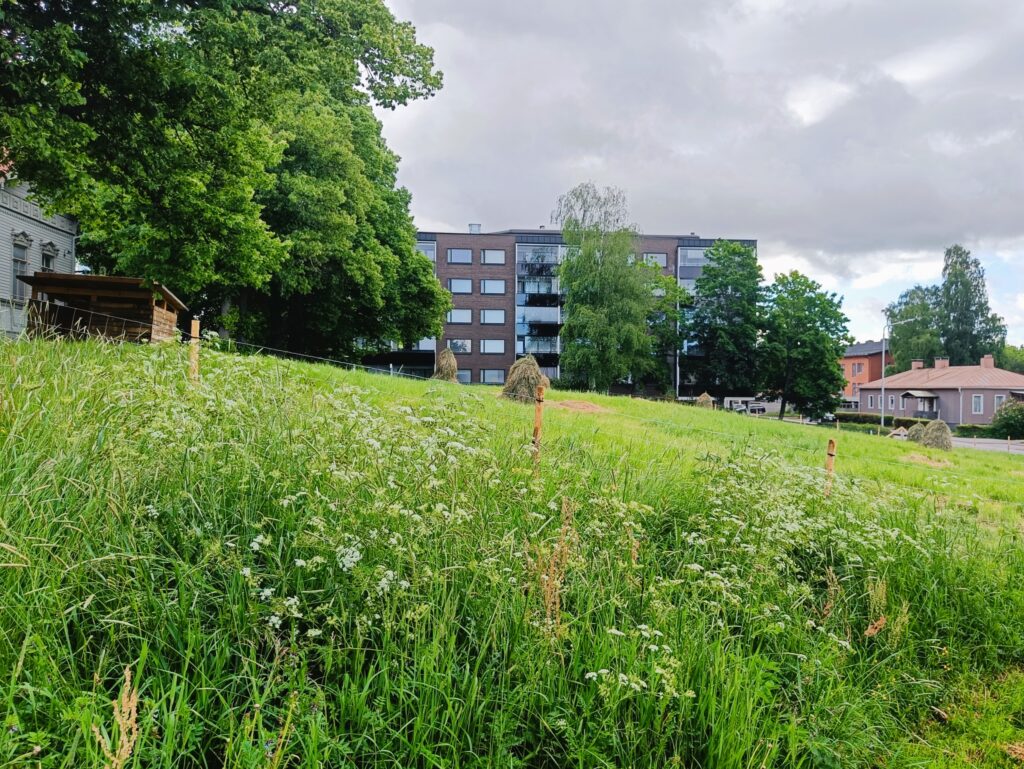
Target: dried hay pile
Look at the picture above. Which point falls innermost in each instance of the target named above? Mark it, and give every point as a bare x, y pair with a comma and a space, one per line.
936, 435
704, 401
446, 369
523, 380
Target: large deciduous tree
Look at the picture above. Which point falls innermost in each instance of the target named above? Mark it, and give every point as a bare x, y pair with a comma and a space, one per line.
914, 318
609, 295
228, 148
967, 325
805, 338
726, 321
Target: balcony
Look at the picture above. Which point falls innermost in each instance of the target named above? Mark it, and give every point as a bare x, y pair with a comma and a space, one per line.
538, 315
543, 285
537, 345
537, 269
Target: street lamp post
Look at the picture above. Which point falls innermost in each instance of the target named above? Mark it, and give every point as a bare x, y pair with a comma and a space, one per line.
888, 330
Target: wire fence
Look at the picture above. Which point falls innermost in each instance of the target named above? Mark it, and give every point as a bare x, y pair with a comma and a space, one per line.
737, 440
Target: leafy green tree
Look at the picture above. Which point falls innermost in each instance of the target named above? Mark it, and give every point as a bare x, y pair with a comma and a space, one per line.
183, 137
967, 326
915, 333
806, 335
1011, 358
726, 321
609, 296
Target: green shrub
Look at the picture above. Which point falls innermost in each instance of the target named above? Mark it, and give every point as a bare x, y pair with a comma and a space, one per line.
875, 419
909, 422
973, 431
937, 435
1009, 420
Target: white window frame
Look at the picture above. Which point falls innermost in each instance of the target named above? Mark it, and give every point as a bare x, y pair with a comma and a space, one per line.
485, 343
20, 266
468, 346
892, 403
484, 286
977, 398
451, 316
871, 401
997, 401
467, 283
485, 322
492, 256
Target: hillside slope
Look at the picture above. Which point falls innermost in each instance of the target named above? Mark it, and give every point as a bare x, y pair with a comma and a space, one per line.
303, 566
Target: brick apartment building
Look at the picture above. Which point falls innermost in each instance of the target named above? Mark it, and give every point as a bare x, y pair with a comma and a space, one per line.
507, 300
861, 364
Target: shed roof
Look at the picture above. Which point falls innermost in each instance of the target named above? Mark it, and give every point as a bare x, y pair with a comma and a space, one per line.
54, 283
951, 378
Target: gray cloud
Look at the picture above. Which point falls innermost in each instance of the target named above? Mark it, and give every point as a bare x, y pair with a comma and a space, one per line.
842, 134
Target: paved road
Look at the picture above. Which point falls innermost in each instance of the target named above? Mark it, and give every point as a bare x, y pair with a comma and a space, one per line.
989, 444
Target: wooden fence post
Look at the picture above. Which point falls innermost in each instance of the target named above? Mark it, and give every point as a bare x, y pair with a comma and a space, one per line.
830, 464
193, 352
538, 416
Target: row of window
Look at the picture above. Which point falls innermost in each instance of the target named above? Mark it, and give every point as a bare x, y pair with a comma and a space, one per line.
977, 403
487, 376
20, 263
463, 316
492, 256
855, 368
487, 346
465, 286
496, 317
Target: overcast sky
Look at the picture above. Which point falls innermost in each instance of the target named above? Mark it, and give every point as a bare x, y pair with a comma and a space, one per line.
855, 140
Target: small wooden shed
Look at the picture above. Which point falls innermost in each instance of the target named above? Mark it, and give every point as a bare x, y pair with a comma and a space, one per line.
127, 309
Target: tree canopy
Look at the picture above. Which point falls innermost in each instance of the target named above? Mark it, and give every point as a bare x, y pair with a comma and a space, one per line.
726, 321
952, 319
612, 300
806, 335
228, 149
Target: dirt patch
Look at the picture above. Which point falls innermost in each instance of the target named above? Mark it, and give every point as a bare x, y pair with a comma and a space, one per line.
1015, 751
585, 406
923, 460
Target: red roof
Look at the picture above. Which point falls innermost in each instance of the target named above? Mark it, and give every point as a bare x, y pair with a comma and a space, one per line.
951, 378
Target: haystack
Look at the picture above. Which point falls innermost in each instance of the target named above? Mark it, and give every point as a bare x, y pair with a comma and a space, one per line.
523, 380
446, 369
937, 435
704, 401
915, 432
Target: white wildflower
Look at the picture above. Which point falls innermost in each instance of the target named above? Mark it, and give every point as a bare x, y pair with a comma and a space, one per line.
274, 621
614, 631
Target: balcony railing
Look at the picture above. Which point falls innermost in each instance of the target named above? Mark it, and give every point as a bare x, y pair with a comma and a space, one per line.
537, 269
538, 344
538, 315
543, 285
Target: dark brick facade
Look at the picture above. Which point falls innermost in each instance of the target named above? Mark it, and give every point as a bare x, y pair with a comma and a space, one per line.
477, 361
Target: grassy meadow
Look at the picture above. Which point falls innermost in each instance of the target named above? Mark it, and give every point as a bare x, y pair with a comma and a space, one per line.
293, 565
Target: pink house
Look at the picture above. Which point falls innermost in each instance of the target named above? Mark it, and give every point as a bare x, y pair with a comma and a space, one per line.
954, 394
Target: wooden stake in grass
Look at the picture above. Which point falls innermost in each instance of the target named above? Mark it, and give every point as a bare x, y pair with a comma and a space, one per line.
193, 352
830, 464
538, 417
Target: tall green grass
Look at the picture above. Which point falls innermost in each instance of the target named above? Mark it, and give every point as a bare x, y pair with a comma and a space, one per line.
307, 567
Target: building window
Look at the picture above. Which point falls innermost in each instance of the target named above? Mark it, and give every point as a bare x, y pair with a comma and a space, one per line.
692, 257
492, 287
892, 402
492, 375
460, 346
460, 256
460, 285
997, 401
464, 375
492, 256
492, 317
977, 404
871, 401
428, 344
661, 260
492, 346
460, 316
858, 368
19, 290
429, 250
903, 403
49, 252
